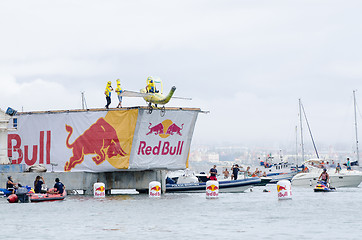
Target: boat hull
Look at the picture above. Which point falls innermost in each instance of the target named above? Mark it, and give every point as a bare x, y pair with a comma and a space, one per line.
336, 180
276, 177
224, 186
47, 197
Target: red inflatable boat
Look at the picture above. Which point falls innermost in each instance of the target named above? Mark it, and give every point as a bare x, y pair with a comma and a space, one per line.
43, 197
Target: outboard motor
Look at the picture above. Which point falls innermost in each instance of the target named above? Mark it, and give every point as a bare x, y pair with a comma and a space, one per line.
22, 194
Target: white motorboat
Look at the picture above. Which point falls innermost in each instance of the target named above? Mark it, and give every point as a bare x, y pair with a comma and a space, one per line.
277, 170
189, 182
343, 178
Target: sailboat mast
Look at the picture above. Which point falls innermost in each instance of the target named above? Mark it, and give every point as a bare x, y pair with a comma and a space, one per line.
301, 129
310, 132
296, 144
355, 123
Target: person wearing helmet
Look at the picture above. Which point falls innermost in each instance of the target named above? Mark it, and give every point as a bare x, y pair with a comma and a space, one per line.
151, 87
107, 92
324, 176
119, 91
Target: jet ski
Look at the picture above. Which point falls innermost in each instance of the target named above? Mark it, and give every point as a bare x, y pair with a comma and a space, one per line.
322, 186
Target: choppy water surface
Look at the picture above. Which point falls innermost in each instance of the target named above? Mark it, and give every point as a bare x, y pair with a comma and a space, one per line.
253, 215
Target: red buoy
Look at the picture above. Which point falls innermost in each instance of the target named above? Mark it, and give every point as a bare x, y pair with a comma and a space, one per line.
13, 198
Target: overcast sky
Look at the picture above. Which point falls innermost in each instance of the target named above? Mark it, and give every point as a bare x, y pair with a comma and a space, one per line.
247, 62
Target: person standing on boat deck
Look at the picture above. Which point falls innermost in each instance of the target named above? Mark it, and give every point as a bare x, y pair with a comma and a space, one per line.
39, 181
226, 173
235, 169
213, 173
324, 175
348, 164
338, 168
10, 185
119, 91
59, 186
248, 173
107, 92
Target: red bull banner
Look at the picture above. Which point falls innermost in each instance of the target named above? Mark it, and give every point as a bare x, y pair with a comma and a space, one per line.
99, 141
163, 142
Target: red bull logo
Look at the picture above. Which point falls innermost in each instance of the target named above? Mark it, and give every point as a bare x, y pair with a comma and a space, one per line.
100, 189
163, 148
155, 191
280, 188
36, 152
165, 129
156, 188
212, 187
212, 191
100, 139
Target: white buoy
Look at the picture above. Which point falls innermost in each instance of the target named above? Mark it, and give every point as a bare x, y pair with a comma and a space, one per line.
212, 189
284, 190
99, 190
154, 189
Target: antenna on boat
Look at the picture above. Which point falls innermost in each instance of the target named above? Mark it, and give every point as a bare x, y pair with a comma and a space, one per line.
355, 123
84, 103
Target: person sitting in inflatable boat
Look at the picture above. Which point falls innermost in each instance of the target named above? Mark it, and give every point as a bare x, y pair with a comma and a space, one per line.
59, 186
10, 185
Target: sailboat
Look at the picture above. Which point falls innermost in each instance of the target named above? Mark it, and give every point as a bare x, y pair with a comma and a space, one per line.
342, 178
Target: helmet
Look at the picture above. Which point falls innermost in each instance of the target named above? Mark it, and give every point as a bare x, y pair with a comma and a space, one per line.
324, 170
149, 79
109, 82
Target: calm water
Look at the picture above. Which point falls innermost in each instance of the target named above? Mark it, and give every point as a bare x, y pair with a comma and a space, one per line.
253, 215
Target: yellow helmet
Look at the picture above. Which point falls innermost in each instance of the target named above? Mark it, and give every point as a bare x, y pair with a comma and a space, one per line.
149, 79
118, 82
109, 82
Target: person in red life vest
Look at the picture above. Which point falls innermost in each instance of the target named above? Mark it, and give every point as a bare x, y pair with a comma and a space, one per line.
213, 173
324, 175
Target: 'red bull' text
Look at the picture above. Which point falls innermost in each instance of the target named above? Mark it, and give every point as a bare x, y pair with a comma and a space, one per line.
22, 153
163, 148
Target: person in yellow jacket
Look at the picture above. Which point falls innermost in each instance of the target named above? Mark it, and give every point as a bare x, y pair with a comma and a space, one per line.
151, 86
119, 91
107, 92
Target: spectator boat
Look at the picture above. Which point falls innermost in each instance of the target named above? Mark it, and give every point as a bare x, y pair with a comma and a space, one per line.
343, 178
190, 182
45, 197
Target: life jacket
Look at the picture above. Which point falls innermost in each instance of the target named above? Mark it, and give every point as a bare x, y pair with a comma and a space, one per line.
151, 87
108, 90
324, 176
9, 185
118, 89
